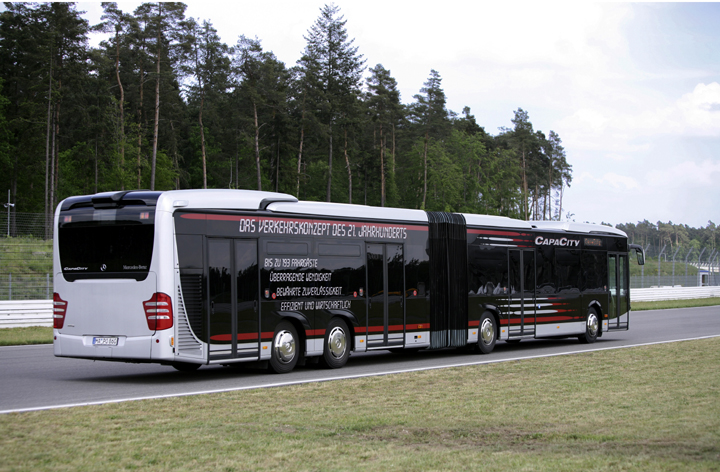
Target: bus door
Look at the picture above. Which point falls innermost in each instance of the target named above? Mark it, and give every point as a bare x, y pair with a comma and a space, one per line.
233, 314
618, 283
385, 295
521, 314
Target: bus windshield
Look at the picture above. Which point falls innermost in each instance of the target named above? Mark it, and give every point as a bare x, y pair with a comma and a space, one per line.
106, 243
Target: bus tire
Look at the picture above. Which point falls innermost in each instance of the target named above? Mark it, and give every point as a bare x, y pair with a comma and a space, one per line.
487, 335
185, 366
592, 326
285, 347
336, 346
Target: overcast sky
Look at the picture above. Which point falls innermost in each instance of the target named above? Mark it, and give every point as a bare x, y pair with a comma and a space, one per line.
632, 89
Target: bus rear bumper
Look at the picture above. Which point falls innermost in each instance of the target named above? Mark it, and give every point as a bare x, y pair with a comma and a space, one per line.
87, 347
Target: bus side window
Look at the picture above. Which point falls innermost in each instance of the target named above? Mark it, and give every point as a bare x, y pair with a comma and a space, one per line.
594, 270
545, 274
568, 269
190, 253
488, 270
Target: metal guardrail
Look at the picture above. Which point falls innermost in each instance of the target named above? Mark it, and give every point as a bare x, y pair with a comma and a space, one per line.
21, 313
654, 294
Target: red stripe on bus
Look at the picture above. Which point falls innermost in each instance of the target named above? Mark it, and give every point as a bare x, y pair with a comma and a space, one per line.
497, 233
240, 337
321, 332
315, 332
379, 329
547, 319
418, 326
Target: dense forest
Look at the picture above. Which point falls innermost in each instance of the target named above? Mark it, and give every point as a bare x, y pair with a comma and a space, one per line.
673, 237
165, 104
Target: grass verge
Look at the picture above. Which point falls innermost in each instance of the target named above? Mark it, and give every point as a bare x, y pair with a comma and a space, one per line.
29, 335
666, 304
628, 409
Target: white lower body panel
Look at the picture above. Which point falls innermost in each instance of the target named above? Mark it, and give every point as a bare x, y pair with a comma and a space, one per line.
135, 347
560, 329
417, 339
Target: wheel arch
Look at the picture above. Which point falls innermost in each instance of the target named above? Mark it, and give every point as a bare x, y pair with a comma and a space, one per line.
301, 324
597, 306
351, 322
495, 312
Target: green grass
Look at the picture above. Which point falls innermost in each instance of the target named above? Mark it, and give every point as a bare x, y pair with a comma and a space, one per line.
666, 267
629, 409
666, 304
26, 255
29, 335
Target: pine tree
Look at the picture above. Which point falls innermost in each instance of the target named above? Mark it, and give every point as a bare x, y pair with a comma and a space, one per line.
333, 70
164, 20
383, 101
430, 114
207, 65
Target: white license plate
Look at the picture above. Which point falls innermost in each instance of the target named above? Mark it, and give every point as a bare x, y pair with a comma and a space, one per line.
105, 341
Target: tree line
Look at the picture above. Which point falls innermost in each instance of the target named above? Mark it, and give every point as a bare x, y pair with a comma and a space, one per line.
672, 236
163, 104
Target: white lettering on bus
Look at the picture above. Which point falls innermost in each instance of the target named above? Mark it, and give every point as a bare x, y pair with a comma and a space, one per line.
311, 228
563, 242
312, 305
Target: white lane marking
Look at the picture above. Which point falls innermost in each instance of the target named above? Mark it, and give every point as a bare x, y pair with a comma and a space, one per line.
345, 377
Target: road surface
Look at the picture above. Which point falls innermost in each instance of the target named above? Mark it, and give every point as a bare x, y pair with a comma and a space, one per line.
32, 378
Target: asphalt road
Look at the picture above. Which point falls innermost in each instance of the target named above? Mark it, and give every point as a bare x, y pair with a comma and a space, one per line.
32, 378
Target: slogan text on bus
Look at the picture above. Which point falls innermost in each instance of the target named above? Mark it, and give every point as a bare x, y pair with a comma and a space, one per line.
311, 228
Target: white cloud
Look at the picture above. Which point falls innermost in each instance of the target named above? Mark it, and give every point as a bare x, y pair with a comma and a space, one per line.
609, 180
684, 174
700, 110
696, 113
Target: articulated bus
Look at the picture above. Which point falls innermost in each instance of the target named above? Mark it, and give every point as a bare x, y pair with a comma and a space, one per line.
201, 277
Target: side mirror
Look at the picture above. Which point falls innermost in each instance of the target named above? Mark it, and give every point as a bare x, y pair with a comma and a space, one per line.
640, 258
640, 253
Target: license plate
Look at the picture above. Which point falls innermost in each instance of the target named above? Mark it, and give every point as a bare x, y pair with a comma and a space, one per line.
105, 341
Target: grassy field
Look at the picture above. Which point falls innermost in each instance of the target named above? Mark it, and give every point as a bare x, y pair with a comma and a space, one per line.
630, 409
22, 336
664, 305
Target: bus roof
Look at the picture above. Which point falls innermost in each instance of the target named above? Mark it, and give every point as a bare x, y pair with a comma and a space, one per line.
495, 221
577, 227
346, 210
220, 199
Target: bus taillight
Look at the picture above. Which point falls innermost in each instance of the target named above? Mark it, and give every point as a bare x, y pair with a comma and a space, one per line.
158, 311
59, 311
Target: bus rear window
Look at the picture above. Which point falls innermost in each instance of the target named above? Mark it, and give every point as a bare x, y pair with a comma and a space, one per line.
106, 243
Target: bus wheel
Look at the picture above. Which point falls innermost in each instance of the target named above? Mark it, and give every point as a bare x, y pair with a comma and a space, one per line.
185, 366
336, 346
487, 338
284, 354
592, 326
